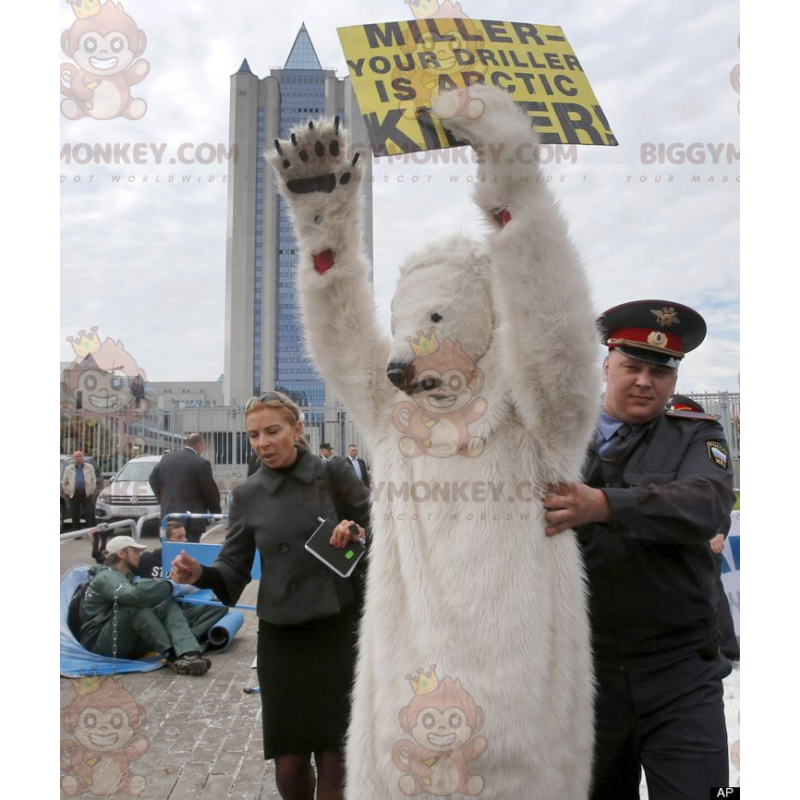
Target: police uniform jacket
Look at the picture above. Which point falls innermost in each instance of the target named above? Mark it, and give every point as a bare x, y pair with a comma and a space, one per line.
650, 568
273, 513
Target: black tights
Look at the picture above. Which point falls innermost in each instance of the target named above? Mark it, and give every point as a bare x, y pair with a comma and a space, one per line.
294, 776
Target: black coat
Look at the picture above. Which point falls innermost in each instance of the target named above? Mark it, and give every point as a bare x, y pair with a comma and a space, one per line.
361, 463
184, 481
650, 569
274, 514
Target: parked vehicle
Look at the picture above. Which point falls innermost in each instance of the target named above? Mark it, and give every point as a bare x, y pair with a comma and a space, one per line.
129, 495
66, 506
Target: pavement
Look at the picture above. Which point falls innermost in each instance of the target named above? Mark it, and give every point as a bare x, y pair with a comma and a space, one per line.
203, 733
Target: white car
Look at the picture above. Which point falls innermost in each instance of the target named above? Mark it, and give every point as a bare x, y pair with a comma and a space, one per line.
129, 495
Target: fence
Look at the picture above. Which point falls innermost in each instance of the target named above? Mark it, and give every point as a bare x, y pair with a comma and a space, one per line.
228, 448
223, 428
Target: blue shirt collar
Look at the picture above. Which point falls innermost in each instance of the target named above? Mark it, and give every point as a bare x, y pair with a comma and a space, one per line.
607, 426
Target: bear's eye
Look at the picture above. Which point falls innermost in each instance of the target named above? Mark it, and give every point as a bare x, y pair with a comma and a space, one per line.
90, 45
454, 383
90, 720
116, 44
455, 721
428, 720
435, 317
116, 721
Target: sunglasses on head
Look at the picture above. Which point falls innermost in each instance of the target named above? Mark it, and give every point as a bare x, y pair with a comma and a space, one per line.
269, 397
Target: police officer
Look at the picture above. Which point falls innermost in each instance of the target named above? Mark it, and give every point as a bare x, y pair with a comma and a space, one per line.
657, 486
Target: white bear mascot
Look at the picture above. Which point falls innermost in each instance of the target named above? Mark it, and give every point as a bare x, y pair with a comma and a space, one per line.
474, 672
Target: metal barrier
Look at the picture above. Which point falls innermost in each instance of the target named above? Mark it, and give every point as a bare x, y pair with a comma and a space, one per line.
104, 527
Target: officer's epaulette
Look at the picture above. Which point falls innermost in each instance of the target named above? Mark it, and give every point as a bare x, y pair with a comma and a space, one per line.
692, 415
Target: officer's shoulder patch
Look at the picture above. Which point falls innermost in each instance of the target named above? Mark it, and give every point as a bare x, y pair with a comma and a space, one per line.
692, 415
718, 453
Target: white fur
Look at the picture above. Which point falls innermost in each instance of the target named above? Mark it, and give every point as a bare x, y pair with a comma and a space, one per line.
486, 597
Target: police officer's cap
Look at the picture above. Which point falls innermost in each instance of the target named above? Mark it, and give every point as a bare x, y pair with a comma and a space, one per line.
657, 331
680, 402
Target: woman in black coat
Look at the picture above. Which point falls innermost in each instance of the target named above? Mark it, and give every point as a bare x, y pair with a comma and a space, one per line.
308, 615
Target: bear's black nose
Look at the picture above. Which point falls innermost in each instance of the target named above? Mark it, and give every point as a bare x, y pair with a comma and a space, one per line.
396, 373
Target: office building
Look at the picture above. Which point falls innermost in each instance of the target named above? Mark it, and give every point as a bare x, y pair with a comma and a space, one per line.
263, 331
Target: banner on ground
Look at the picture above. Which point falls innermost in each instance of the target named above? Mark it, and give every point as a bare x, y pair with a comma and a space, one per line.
730, 568
399, 67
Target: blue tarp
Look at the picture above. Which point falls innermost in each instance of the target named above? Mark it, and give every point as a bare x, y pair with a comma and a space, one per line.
76, 660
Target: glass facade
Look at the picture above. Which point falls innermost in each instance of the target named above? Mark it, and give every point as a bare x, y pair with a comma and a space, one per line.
259, 253
302, 96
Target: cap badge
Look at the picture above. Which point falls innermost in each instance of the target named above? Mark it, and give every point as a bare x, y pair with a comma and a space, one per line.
657, 339
666, 316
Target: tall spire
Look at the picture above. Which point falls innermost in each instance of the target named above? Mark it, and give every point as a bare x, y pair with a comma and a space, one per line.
245, 68
303, 55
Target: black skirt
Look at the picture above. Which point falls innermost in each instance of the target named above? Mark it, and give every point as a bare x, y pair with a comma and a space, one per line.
306, 675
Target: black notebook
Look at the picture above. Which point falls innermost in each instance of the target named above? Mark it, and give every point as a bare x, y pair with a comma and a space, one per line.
342, 560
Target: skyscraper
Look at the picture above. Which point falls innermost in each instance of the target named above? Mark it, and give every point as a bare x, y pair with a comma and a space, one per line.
263, 331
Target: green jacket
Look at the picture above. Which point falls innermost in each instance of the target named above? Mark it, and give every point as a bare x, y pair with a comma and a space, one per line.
97, 606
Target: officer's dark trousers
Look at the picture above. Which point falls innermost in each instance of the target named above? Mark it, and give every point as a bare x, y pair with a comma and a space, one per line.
668, 719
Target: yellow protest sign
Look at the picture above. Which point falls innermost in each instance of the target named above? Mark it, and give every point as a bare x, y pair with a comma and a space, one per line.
398, 67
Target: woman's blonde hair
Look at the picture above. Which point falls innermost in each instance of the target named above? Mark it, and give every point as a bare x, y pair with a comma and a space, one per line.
278, 401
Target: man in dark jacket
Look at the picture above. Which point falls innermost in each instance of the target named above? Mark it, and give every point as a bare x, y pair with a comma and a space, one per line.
184, 481
124, 619
358, 465
657, 487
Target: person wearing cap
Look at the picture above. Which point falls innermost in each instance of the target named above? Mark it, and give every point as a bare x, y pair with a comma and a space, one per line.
657, 486
325, 451
127, 619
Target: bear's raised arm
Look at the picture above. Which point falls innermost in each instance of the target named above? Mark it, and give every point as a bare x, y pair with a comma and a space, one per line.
321, 183
549, 339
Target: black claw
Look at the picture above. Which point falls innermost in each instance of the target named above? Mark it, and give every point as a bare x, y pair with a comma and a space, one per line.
336, 124
278, 147
355, 158
287, 164
345, 178
303, 155
319, 149
335, 147
294, 140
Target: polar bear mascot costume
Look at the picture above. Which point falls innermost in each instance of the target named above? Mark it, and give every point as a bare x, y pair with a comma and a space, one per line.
474, 672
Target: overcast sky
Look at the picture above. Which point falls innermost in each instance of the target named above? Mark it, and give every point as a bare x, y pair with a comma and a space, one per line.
145, 261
